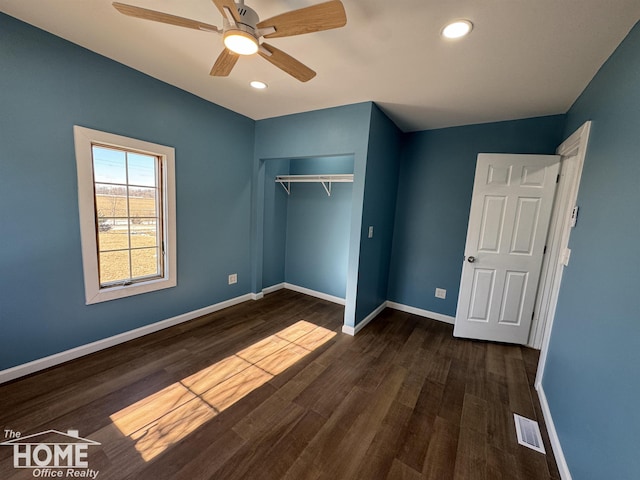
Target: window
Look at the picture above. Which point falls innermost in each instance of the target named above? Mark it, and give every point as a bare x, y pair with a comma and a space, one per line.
126, 199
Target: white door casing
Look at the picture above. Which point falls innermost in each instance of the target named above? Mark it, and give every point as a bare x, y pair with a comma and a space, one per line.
552, 261
574, 147
508, 222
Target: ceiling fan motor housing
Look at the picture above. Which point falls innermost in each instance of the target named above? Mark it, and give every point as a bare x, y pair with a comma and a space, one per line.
247, 24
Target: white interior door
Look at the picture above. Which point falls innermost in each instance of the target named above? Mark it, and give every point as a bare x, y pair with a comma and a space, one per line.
510, 213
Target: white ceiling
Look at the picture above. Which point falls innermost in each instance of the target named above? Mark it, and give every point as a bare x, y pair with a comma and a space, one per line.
524, 58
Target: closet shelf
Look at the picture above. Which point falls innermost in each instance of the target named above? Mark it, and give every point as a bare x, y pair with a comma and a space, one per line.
325, 180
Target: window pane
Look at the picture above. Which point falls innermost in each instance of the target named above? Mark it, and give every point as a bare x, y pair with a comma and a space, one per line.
144, 262
143, 232
109, 165
142, 202
114, 266
142, 170
111, 200
112, 235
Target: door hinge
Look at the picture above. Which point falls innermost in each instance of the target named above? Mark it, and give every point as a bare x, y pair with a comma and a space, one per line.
558, 179
545, 250
532, 315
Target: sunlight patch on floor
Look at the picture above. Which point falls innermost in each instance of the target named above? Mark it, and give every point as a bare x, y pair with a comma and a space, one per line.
166, 417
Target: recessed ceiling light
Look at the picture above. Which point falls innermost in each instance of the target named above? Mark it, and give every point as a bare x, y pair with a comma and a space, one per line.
258, 85
457, 29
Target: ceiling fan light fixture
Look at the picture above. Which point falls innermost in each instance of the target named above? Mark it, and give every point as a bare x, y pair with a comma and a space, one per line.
457, 29
242, 29
240, 42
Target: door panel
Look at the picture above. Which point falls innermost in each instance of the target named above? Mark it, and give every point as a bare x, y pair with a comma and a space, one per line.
492, 223
482, 292
508, 223
532, 177
513, 299
526, 221
499, 175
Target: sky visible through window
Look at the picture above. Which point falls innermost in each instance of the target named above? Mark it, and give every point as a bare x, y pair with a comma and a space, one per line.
110, 166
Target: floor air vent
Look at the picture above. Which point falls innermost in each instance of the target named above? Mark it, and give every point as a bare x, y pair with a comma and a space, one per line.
528, 433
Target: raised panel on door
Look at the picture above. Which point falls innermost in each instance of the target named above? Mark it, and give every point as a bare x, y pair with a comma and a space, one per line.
525, 226
515, 287
492, 223
532, 176
481, 295
499, 175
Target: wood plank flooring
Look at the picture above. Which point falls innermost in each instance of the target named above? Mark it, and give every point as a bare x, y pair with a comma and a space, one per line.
272, 390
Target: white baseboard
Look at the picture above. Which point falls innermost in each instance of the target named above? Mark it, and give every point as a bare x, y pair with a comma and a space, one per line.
273, 288
348, 330
403, 308
58, 358
353, 330
314, 293
306, 291
422, 313
553, 435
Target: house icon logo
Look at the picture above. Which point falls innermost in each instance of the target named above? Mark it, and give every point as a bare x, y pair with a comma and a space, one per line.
50, 450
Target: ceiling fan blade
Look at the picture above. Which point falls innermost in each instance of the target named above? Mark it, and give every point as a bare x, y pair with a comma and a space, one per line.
316, 18
224, 64
286, 63
221, 4
155, 16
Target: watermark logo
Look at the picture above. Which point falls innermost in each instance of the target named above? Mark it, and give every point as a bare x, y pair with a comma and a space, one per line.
52, 454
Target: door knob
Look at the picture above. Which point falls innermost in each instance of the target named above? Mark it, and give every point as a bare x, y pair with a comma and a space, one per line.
471, 259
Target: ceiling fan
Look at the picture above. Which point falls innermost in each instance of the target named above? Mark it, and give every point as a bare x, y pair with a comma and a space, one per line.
242, 31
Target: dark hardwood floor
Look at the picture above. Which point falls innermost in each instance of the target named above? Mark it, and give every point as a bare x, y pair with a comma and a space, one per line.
272, 390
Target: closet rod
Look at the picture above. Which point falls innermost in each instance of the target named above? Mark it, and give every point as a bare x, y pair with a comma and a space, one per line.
325, 180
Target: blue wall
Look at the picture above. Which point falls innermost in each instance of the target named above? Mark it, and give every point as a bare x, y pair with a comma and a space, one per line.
381, 184
336, 131
591, 379
274, 224
318, 227
434, 197
48, 85
322, 165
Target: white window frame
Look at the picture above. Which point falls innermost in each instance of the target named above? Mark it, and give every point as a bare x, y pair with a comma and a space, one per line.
85, 139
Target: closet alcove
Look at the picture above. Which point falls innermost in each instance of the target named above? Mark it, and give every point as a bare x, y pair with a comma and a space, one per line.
307, 214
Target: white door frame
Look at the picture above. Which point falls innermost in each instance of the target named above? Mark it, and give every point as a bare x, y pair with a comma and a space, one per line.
574, 150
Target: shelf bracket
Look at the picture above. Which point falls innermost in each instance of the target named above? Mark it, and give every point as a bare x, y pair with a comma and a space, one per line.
287, 187
327, 187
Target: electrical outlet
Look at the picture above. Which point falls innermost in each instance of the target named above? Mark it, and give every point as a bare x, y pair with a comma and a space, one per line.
441, 293
233, 278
